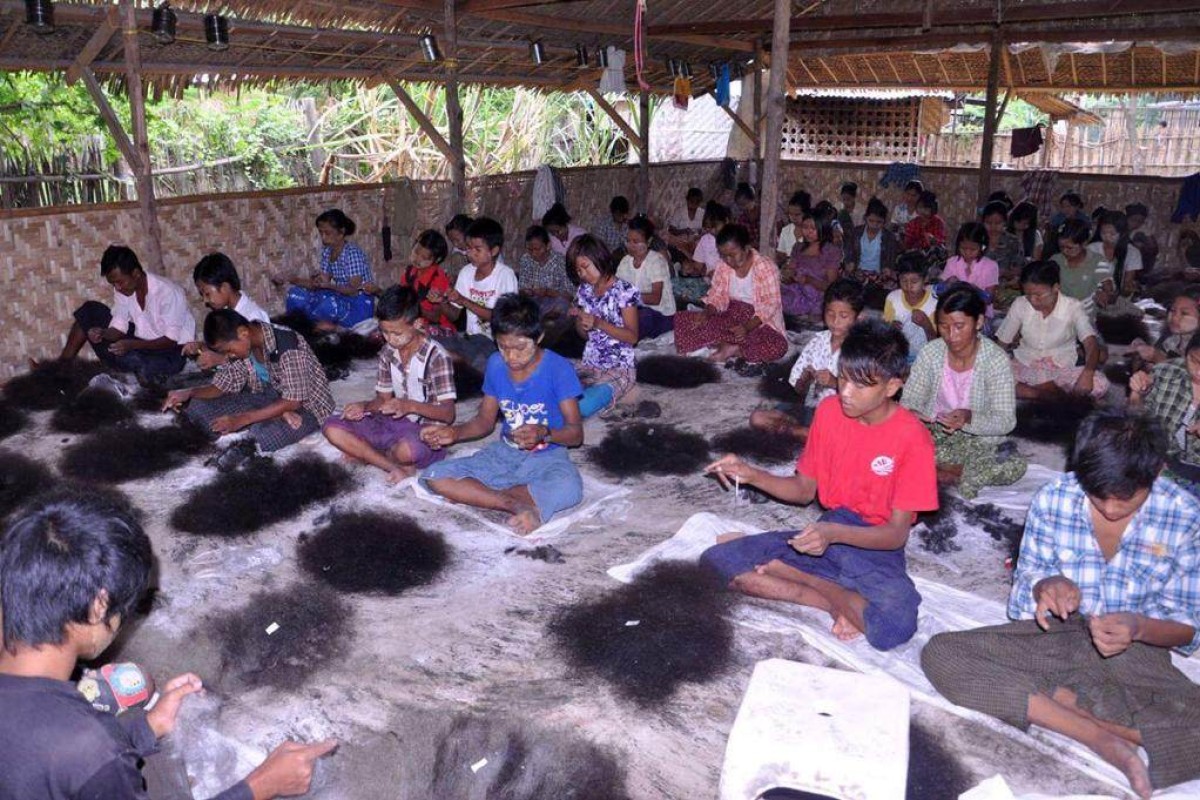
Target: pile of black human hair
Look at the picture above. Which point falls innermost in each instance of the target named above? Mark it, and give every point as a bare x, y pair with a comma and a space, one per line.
1122, 328
21, 478
468, 381
130, 452
569, 344
337, 351
91, 409
875, 296
670, 626
939, 528
650, 449
676, 372
774, 384
260, 494
1118, 372
296, 321
1052, 421
12, 419
51, 384
762, 446
373, 553
281, 638
150, 399
933, 771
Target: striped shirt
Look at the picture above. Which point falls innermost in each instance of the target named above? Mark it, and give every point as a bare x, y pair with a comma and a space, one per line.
1155, 572
293, 371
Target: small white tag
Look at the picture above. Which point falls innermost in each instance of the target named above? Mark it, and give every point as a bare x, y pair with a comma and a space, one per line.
632, 622
274, 626
478, 765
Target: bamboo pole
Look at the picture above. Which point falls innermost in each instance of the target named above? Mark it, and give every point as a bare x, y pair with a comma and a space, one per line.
458, 164
989, 117
644, 152
776, 95
141, 142
756, 139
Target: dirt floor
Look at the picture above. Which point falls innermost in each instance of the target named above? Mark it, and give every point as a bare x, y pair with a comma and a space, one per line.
474, 643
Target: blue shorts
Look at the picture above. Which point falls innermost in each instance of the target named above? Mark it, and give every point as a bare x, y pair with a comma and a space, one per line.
878, 575
551, 478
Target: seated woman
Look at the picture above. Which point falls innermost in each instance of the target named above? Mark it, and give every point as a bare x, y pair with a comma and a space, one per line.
696, 272
648, 270
813, 266
557, 223
962, 387
871, 248
273, 385
1172, 393
339, 292
1042, 330
606, 314
1119, 259
743, 315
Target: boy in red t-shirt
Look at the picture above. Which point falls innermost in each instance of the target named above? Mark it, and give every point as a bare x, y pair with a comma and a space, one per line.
871, 464
426, 277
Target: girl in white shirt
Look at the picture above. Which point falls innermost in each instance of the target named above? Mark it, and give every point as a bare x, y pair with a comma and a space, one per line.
649, 272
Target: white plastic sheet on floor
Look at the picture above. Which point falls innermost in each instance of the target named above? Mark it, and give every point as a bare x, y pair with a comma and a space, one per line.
942, 609
1018, 496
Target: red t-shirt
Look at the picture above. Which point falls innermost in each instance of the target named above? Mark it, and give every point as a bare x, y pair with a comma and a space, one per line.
870, 469
432, 277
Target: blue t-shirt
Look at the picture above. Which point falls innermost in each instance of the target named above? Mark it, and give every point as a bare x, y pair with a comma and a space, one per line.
534, 401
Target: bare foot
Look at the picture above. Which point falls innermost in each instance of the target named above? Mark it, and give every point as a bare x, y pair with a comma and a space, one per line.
400, 473
949, 474
729, 537
1123, 755
525, 522
723, 354
844, 629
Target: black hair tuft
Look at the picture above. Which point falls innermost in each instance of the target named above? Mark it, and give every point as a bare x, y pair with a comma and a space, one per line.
51, 384
659, 449
774, 384
12, 419
933, 771
374, 553
676, 372
468, 381
1052, 421
127, 453
91, 409
758, 445
21, 478
1122, 328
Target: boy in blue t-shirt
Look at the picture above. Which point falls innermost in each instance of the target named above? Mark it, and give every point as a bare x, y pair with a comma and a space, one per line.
527, 473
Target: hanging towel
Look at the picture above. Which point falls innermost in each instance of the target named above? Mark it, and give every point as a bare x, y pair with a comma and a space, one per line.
682, 93
613, 79
402, 204
547, 190
722, 92
1026, 141
1189, 200
1038, 185
899, 173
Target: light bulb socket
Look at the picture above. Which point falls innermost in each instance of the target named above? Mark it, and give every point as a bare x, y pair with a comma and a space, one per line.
216, 31
39, 15
602, 56
581, 55
429, 48
163, 23
685, 69
537, 52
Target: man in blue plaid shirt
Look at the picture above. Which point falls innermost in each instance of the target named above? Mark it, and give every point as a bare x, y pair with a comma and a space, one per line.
1106, 586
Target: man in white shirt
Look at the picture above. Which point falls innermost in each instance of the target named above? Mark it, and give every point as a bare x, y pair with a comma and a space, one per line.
145, 329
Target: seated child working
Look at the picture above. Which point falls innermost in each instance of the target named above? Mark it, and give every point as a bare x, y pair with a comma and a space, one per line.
1106, 586
611, 229
871, 248
962, 387
338, 292
557, 223
1183, 320
456, 235
426, 277
1172, 394
146, 327
480, 284
648, 270
927, 229
910, 308
415, 385
871, 464
542, 275
696, 271
814, 376
528, 473
220, 287
273, 385
799, 206
74, 568
971, 265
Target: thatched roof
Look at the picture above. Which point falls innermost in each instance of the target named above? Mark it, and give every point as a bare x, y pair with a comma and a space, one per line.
835, 43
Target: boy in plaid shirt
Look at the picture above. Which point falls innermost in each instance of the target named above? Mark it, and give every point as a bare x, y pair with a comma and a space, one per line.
1106, 586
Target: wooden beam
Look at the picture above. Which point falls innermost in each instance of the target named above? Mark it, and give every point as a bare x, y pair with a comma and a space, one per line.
454, 114
615, 116
989, 118
99, 39
644, 152
768, 199
128, 151
756, 139
623, 31
141, 140
423, 122
476, 6
741, 123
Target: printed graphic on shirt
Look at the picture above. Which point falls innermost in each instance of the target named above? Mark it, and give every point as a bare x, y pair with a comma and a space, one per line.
882, 466
482, 297
517, 415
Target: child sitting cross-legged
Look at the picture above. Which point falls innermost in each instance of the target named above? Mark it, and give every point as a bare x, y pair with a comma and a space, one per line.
870, 462
220, 287
910, 308
1171, 392
415, 384
527, 473
425, 276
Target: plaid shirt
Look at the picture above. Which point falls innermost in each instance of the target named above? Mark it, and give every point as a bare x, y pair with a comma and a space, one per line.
438, 380
1171, 400
551, 275
1155, 572
351, 263
609, 232
295, 374
993, 397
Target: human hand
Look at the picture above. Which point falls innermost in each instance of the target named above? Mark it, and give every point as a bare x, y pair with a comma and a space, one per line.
121, 346
1058, 596
454, 297
813, 540
1146, 351
438, 436
228, 423
1194, 429
288, 770
396, 407
1140, 382
731, 468
353, 412
177, 399
824, 377
435, 296
161, 718
1084, 383
210, 359
95, 335
293, 420
191, 349
919, 317
737, 334
1113, 633
527, 437
955, 420
587, 321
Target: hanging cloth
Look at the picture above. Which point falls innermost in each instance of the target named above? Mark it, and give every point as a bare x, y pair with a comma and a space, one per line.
899, 173
1026, 141
1189, 200
682, 94
403, 204
1039, 190
722, 92
547, 190
612, 81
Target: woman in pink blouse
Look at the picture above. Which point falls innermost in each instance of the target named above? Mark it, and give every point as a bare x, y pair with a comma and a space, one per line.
813, 266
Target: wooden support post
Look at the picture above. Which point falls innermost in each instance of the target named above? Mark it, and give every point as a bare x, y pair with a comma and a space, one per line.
756, 139
644, 152
989, 117
423, 122
458, 161
634, 138
103, 33
768, 200
109, 116
137, 117
751, 134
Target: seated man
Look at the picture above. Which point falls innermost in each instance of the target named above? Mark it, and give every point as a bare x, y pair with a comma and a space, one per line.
145, 329
871, 462
273, 385
72, 570
1112, 550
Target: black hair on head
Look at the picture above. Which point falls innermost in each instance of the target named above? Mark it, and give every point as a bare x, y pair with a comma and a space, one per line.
433, 241
12, 419
1074, 230
914, 186
21, 478
824, 222
1071, 197
556, 216
263, 493
824, 209
338, 220
468, 382
282, 638
619, 204
130, 453
962, 298
118, 256
774, 384
845, 290
1122, 328
460, 223
397, 303
683, 632
876, 208
1041, 273
595, 251
215, 269
873, 351
875, 296
642, 224
222, 326
850, 188
1052, 421
373, 553
57, 556
1118, 452
51, 384
934, 773
716, 215
568, 344
972, 232
643, 449
1023, 211
517, 315
910, 262
91, 409
801, 200
676, 372
487, 229
1118, 372
995, 208
999, 196
765, 447
734, 233
1137, 210
928, 200
537, 233
744, 191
